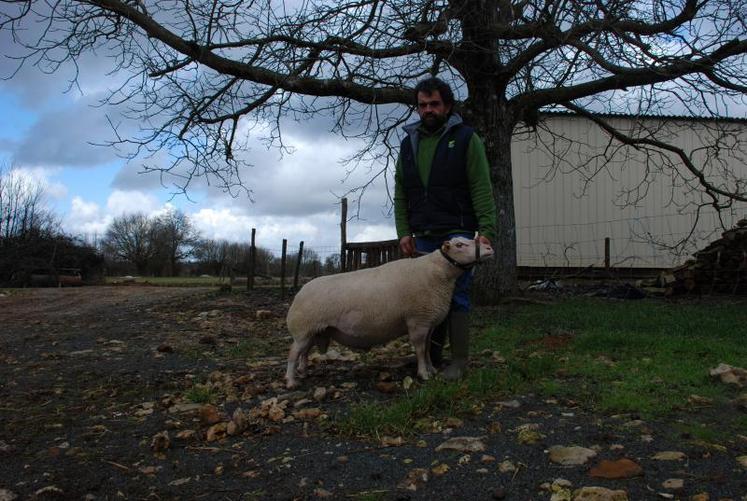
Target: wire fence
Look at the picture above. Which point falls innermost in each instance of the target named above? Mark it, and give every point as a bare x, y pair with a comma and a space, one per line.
647, 241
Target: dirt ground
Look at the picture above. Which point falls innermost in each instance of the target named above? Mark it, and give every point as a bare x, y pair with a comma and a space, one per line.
98, 392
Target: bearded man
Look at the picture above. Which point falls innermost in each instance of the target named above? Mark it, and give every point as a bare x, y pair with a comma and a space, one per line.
443, 190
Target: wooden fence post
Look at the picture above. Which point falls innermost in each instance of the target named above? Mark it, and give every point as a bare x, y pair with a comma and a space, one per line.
343, 235
252, 262
607, 254
282, 268
298, 266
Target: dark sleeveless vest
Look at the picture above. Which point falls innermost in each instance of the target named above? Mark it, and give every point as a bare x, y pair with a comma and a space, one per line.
445, 204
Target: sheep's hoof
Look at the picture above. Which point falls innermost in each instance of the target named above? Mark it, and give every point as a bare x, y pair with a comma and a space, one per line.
291, 384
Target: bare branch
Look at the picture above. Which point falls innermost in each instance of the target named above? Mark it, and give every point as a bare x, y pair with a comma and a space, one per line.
710, 188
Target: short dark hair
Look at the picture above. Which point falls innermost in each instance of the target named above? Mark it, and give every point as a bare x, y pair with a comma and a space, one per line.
432, 84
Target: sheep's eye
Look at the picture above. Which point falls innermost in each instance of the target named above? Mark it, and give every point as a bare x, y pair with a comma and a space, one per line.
459, 246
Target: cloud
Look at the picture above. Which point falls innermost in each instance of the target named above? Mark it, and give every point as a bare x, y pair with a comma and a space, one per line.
309, 180
132, 177
40, 83
373, 233
86, 218
89, 218
320, 232
130, 202
235, 225
43, 178
64, 138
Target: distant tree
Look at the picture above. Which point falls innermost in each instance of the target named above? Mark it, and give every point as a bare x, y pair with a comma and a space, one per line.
23, 210
209, 255
332, 264
129, 238
311, 263
173, 237
235, 259
30, 237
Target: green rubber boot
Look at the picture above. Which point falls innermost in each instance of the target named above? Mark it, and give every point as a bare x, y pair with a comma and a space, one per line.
459, 342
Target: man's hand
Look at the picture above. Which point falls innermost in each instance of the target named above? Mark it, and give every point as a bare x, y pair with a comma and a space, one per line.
407, 246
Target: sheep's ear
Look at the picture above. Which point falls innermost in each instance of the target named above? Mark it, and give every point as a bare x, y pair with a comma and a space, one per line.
446, 246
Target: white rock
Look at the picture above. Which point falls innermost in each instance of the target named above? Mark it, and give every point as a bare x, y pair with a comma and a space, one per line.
320, 393
6, 495
669, 456
673, 484
511, 404
599, 494
573, 455
463, 444
506, 467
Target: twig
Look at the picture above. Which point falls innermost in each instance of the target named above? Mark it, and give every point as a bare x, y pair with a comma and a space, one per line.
516, 472
120, 466
216, 449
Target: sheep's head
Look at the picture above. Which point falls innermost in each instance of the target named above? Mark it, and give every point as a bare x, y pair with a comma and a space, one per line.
464, 252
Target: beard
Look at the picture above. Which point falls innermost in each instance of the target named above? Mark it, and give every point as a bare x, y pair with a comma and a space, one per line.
432, 122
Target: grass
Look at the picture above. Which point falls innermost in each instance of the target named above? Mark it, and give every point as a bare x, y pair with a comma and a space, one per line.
255, 348
239, 282
200, 394
640, 357
171, 281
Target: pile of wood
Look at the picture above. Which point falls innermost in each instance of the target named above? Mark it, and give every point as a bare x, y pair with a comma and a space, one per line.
720, 268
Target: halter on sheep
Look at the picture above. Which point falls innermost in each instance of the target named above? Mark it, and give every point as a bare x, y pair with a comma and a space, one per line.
373, 306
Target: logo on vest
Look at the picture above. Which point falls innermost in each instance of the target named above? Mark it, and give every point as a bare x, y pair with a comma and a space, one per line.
452, 143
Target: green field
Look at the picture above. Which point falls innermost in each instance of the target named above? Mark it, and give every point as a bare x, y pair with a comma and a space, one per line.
642, 357
196, 281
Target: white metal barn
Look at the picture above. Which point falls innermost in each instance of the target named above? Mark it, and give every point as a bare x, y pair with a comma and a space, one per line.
574, 187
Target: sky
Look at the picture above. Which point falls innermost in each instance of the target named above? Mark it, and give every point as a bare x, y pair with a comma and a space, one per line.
51, 131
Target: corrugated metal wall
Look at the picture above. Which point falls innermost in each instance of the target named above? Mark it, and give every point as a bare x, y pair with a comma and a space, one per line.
573, 187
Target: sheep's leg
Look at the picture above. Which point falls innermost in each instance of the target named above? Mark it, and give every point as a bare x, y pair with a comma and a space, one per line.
297, 350
321, 341
420, 339
303, 363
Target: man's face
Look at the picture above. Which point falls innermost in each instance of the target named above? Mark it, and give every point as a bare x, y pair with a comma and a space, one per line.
432, 110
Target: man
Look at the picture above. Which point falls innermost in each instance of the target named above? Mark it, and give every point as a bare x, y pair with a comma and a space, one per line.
442, 190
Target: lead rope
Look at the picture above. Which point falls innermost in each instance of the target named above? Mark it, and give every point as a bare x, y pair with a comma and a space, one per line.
477, 247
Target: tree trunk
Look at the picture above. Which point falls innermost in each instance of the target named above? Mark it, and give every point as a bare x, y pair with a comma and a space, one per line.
495, 123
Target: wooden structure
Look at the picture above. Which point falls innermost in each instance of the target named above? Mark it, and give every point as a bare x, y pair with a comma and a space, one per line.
357, 255
574, 187
369, 254
721, 267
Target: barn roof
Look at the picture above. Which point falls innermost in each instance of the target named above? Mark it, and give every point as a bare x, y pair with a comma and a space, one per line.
687, 118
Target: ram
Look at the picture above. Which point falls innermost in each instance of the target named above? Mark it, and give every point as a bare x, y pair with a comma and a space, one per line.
373, 306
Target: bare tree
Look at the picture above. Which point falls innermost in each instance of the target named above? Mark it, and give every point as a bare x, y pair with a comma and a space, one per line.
173, 236
31, 240
130, 238
29, 234
204, 71
207, 253
23, 210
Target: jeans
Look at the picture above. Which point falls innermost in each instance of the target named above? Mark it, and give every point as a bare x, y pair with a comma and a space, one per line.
460, 300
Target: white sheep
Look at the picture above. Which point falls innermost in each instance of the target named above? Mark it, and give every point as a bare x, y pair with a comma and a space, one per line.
373, 306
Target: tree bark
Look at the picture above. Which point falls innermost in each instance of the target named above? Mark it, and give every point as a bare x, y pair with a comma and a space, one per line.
495, 121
